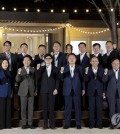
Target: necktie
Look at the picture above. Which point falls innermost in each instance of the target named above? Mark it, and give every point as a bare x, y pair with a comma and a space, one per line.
56, 60
72, 73
116, 74
8, 56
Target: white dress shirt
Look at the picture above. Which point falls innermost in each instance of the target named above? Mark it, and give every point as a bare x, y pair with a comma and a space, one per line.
27, 69
48, 68
23, 54
72, 70
81, 56
116, 73
94, 70
56, 59
8, 56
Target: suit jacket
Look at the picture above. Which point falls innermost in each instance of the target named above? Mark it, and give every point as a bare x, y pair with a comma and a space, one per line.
27, 82
5, 84
36, 61
69, 83
94, 81
108, 59
112, 84
13, 63
61, 60
99, 58
48, 84
85, 61
19, 60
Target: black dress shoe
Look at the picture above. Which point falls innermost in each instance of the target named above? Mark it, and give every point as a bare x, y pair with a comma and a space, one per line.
78, 127
91, 127
100, 127
52, 127
24, 127
31, 127
45, 127
111, 127
65, 127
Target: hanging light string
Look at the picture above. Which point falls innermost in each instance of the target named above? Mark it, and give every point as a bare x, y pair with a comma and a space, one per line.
25, 30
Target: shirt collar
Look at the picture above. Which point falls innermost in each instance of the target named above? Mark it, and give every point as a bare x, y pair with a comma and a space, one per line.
72, 67
115, 70
97, 54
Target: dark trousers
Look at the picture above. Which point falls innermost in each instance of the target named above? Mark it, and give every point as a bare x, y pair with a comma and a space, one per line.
5, 112
95, 108
48, 102
27, 100
59, 98
68, 108
114, 106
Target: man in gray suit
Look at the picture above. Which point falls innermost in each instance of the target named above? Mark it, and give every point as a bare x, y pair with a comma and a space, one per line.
26, 77
112, 77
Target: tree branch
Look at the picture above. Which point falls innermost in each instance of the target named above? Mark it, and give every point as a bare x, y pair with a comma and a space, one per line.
100, 13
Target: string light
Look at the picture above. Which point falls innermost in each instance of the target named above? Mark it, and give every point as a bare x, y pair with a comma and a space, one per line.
55, 29
87, 10
51, 10
38, 10
75, 11
3, 8
112, 9
63, 10
100, 10
95, 32
14, 9
26, 10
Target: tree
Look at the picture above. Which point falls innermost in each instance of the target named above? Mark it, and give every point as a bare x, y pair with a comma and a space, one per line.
109, 18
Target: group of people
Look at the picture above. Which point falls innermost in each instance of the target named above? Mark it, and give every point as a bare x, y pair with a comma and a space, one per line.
62, 79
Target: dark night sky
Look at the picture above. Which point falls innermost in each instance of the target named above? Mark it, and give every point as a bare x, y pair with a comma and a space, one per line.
57, 5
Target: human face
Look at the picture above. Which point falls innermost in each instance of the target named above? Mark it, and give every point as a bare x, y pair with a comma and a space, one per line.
71, 59
109, 47
42, 51
94, 62
96, 49
69, 50
48, 60
26, 62
56, 47
7, 47
116, 64
5, 64
24, 49
82, 48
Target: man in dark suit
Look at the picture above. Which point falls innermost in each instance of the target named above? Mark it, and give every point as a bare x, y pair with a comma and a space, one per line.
96, 52
110, 55
12, 65
72, 76
20, 57
83, 60
93, 77
59, 60
49, 85
83, 57
27, 91
112, 77
38, 59
11, 58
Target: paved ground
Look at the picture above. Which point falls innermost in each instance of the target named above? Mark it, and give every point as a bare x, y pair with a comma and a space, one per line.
60, 131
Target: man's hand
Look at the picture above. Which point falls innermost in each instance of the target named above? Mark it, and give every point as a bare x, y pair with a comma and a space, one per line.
55, 92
